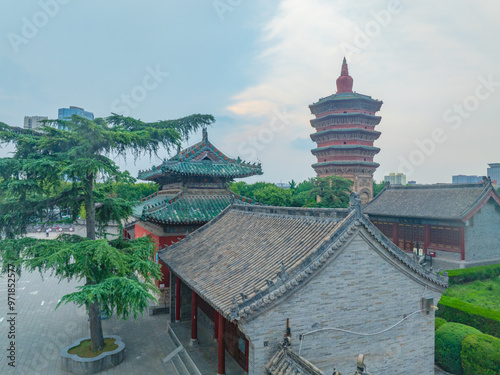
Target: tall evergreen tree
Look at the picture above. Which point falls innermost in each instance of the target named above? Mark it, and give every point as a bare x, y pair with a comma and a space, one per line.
57, 166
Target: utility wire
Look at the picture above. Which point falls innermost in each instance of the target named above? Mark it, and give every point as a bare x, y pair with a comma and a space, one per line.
355, 333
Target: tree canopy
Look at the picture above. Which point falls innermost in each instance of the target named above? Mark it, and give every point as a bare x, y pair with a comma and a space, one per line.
58, 166
332, 192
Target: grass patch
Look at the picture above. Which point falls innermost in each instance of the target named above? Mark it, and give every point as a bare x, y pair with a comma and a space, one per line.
83, 350
480, 293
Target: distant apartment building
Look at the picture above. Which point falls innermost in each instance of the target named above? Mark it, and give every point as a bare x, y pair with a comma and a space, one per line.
494, 173
33, 122
463, 179
395, 179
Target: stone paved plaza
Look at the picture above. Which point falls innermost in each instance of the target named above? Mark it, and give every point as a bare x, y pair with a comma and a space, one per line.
41, 331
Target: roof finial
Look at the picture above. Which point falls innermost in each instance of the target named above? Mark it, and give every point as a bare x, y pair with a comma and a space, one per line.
205, 135
355, 204
344, 82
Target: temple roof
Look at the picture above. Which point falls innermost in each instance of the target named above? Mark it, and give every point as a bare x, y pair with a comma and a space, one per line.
249, 257
186, 208
202, 159
440, 201
286, 361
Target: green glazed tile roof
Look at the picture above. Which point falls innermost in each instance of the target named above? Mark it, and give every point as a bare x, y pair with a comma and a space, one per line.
353, 115
346, 130
190, 208
350, 162
346, 147
346, 96
202, 159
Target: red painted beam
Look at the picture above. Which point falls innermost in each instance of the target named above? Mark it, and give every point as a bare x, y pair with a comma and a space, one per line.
427, 240
221, 363
462, 243
395, 235
194, 317
177, 299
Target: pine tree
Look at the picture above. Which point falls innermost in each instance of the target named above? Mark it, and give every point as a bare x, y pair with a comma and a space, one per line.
57, 166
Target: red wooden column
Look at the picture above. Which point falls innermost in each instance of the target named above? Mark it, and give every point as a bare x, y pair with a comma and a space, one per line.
462, 243
216, 323
427, 236
395, 236
177, 299
194, 318
221, 369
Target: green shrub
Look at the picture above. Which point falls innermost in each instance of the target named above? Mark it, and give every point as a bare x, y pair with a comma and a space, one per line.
480, 355
454, 310
438, 322
449, 345
466, 275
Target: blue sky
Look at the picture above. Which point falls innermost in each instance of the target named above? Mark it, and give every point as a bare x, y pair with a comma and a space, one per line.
256, 66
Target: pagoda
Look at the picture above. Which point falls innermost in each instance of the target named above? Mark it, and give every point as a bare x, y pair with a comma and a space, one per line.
345, 131
194, 188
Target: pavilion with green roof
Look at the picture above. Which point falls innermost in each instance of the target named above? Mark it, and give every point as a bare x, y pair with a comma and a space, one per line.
194, 188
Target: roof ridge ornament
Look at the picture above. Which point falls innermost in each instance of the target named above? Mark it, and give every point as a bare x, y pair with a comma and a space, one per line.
283, 275
355, 204
205, 135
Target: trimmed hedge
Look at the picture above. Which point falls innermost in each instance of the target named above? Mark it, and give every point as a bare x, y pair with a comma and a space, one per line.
466, 275
454, 310
480, 355
449, 339
438, 322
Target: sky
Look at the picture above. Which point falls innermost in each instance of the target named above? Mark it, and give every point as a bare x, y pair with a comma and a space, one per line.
257, 66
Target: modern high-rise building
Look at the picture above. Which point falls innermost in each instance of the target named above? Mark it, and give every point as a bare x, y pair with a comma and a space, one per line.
33, 122
66, 113
494, 173
345, 131
395, 179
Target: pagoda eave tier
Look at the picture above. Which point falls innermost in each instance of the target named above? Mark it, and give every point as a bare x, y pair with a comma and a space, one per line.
350, 163
346, 150
345, 133
201, 168
334, 119
345, 101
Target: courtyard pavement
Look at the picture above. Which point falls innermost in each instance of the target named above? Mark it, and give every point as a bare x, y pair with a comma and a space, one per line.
41, 331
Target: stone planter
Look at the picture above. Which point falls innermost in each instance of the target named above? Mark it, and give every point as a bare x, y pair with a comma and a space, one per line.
82, 366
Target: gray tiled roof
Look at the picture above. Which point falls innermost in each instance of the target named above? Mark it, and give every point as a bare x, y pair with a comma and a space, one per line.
440, 201
249, 256
285, 361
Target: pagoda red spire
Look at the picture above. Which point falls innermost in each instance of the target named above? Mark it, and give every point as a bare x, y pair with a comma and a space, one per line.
344, 82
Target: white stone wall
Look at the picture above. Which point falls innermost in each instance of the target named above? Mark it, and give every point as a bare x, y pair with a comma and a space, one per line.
358, 291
